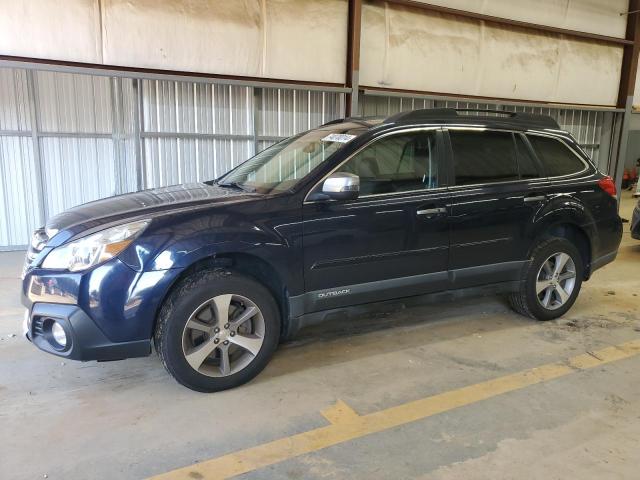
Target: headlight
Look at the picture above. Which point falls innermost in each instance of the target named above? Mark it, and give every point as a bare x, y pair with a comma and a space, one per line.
94, 249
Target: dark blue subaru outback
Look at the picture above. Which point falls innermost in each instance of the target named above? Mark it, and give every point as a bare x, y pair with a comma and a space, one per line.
427, 203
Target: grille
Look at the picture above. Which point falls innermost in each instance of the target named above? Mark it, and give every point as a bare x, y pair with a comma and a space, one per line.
38, 326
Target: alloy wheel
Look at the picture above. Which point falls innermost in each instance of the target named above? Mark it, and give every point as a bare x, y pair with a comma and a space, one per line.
223, 335
555, 281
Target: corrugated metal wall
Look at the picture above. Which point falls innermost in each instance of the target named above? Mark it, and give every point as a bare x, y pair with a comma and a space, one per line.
592, 129
66, 138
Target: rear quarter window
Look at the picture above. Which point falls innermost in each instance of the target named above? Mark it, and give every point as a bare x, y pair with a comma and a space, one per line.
556, 157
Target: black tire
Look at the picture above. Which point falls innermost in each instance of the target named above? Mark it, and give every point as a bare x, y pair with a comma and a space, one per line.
525, 301
191, 293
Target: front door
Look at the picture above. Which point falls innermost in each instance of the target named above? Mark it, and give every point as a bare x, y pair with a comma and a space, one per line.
390, 242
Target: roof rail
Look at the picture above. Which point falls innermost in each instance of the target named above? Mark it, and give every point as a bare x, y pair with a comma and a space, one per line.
332, 122
456, 114
360, 120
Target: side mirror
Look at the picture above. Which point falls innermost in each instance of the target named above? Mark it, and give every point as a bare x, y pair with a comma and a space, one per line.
341, 186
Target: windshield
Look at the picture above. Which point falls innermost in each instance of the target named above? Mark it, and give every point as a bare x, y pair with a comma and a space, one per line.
281, 166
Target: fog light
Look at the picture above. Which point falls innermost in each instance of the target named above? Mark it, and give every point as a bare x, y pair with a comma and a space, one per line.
58, 334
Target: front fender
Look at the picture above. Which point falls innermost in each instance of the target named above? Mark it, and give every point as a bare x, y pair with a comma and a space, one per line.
269, 231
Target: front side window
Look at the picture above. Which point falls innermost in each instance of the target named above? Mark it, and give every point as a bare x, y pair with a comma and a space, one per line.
556, 157
283, 165
483, 157
397, 163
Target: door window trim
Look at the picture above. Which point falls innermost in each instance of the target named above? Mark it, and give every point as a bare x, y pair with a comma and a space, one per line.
543, 178
503, 182
401, 131
587, 165
480, 129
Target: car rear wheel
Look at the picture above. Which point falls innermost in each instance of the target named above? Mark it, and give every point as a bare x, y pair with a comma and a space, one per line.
552, 281
217, 330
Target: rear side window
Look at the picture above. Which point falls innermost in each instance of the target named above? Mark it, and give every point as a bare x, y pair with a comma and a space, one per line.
555, 156
483, 157
526, 162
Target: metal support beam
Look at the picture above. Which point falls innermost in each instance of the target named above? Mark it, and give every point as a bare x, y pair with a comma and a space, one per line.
622, 145
354, 28
7, 61
137, 138
35, 130
257, 97
630, 56
627, 85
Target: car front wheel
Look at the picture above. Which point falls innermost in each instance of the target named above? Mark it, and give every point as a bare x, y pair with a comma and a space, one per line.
217, 330
552, 281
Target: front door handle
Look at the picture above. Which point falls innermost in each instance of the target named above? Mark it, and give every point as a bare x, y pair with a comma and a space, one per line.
535, 198
432, 211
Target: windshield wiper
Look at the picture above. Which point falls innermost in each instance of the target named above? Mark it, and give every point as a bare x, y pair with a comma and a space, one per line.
237, 186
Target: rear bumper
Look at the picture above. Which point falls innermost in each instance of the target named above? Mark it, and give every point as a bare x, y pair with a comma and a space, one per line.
635, 223
603, 260
85, 341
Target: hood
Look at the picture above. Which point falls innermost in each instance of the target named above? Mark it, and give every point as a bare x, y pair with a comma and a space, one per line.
139, 204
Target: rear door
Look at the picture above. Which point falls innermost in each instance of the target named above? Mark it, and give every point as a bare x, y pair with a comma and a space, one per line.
390, 242
496, 191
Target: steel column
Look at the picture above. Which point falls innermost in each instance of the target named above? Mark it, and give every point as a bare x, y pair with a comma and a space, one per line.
627, 85
354, 27
35, 128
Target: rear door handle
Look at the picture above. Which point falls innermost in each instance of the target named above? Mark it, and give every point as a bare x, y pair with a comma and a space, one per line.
535, 198
432, 211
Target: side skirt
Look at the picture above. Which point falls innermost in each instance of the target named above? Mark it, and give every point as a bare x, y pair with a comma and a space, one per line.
402, 287
348, 312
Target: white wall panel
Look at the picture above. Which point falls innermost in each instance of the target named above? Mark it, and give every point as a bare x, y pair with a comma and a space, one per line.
593, 16
76, 170
186, 107
589, 73
412, 49
198, 36
306, 40
68, 30
281, 113
255, 38
19, 207
14, 107
170, 161
73, 103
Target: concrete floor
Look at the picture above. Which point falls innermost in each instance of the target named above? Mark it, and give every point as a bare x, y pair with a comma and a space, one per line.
129, 419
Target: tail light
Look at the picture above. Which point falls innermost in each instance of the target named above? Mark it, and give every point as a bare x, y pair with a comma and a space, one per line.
606, 184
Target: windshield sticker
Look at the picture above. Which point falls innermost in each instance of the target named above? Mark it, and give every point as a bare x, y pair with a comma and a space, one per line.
338, 137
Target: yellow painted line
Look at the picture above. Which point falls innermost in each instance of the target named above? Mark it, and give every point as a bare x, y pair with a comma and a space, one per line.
340, 413
346, 424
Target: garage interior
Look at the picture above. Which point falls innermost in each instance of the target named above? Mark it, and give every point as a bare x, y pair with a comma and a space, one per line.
105, 97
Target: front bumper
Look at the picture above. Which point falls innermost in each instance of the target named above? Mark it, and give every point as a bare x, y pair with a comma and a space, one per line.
107, 313
85, 341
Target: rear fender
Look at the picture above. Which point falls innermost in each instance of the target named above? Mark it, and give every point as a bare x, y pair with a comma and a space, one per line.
567, 217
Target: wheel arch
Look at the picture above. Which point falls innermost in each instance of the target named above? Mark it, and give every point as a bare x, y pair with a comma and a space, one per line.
245, 264
575, 234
